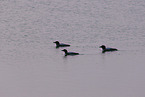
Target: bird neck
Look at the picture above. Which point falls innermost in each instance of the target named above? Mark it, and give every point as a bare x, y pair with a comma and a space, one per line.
57, 44
65, 52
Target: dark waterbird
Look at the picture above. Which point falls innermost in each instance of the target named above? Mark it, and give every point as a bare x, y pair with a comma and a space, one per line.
60, 44
69, 53
104, 49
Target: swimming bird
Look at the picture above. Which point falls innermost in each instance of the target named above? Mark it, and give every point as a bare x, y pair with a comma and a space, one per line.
60, 44
104, 49
69, 53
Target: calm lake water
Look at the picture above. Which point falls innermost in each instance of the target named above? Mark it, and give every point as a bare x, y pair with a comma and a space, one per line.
31, 66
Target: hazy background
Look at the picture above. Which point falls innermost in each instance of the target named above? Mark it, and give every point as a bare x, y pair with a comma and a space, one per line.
31, 66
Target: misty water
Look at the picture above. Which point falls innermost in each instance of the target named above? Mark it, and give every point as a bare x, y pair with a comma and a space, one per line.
31, 66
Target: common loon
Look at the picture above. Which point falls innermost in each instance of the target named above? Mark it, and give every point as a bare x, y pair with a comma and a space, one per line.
104, 49
69, 53
60, 44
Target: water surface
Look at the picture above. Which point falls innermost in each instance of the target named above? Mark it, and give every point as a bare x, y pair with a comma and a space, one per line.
31, 66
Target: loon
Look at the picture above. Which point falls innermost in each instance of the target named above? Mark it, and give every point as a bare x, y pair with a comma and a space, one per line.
104, 49
69, 53
60, 44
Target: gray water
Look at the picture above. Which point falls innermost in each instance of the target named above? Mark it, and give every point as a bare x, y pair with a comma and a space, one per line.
31, 66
